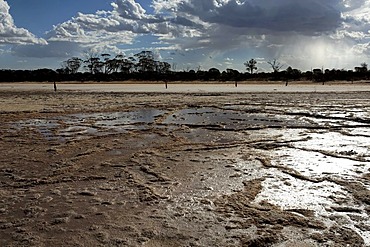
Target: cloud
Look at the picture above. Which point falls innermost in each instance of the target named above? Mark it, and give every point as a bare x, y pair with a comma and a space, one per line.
220, 26
10, 34
308, 31
310, 16
122, 24
353, 4
96, 28
60, 49
129, 10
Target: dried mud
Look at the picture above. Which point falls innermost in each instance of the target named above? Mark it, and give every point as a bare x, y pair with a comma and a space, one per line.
152, 169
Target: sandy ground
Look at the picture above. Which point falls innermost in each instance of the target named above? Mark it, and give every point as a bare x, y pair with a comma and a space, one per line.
201, 87
196, 168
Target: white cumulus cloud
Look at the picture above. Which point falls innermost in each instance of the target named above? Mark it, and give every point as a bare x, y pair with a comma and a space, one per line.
10, 33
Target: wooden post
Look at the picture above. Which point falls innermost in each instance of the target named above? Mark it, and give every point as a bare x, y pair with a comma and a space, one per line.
55, 87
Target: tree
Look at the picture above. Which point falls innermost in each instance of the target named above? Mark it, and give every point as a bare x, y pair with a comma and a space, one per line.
163, 67
107, 64
72, 65
127, 65
251, 65
275, 65
93, 63
214, 73
364, 66
291, 74
115, 64
146, 61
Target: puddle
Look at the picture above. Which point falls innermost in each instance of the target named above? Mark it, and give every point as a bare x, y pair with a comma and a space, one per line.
111, 120
82, 126
231, 119
45, 127
79, 126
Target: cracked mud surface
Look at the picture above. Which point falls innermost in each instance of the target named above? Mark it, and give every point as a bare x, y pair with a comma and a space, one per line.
148, 169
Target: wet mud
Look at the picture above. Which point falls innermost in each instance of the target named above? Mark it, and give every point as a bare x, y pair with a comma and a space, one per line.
152, 169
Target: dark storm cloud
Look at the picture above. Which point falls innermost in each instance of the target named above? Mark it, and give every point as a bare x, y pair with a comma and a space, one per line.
53, 49
310, 16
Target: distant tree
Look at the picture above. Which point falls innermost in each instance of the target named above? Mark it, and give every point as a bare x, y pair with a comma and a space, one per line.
214, 73
146, 62
127, 65
289, 70
107, 63
251, 65
93, 63
71, 66
116, 63
317, 71
43, 74
62, 71
163, 67
293, 73
364, 66
230, 75
275, 65
112, 65
318, 75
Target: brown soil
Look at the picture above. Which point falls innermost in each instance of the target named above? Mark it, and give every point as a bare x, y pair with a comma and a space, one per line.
154, 183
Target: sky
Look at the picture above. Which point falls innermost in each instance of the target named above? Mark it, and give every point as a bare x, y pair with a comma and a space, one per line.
188, 34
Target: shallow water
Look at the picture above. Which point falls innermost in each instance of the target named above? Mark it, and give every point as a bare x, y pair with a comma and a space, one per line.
232, 119
82, 126
104, 123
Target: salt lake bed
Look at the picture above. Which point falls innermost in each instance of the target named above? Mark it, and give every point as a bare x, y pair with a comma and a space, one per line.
184, 168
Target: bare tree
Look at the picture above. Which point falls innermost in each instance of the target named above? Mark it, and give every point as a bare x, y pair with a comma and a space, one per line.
275, 65
251, 65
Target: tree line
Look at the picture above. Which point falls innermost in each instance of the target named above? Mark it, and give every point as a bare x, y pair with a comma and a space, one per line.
144, 66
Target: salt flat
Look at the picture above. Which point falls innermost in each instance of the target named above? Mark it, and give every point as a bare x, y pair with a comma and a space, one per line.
191, 87
105, 168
